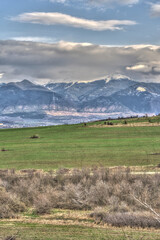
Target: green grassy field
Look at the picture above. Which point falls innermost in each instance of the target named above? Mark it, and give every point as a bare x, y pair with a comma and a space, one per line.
79, 146
28, 231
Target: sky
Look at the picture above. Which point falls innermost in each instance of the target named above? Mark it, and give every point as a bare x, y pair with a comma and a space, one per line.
79, 40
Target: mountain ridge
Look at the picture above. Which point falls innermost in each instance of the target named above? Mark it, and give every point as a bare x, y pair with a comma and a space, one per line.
105, 96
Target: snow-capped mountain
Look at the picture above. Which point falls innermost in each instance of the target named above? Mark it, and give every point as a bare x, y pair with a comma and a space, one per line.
86, 91
27, 97
113, 94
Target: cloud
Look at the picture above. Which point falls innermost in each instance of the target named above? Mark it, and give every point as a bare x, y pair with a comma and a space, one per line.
67, 61
97, 2
120, 2
35, 39
139, 68
54, 18
152, 68
141, 46
155, 10
59, 1
1, 75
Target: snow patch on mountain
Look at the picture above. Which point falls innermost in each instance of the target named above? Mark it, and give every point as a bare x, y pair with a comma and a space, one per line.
70, 85
116, 77
141, 89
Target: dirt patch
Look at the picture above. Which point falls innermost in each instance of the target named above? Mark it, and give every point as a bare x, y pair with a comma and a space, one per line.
144, 124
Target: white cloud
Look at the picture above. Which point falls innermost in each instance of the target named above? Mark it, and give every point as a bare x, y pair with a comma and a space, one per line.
139, 68
1, 75
67, 61
152, 68
53, 18
120, 2
35, 39
155, 10
58, 1
141, 46
97, 2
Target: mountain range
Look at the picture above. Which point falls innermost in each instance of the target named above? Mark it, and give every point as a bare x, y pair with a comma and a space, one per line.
116, 94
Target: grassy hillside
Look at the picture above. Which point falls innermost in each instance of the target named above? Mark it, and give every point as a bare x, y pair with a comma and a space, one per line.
80, 146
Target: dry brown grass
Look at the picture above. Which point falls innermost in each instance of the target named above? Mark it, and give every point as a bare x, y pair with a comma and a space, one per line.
138, 124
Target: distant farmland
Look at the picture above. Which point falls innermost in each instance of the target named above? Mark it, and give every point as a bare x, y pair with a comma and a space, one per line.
95, 144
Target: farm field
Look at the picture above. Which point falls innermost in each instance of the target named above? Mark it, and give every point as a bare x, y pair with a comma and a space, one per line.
134, 144
95, 144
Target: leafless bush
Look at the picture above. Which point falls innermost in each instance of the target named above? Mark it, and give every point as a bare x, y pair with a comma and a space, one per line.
126, 219
9, 205
42, 205
3, 150
34, 136
78, 189
10, 238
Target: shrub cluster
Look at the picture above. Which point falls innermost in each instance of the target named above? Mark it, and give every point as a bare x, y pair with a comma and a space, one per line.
126, 219
110, 123
34, 136
9, 205
79, 189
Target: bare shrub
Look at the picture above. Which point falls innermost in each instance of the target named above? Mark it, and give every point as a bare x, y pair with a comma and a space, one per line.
98, 214
77, 189
42, 205
10, 238
110, 123
3, 150
126, 219
34, 136
9, 206
74, 197
99, 194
